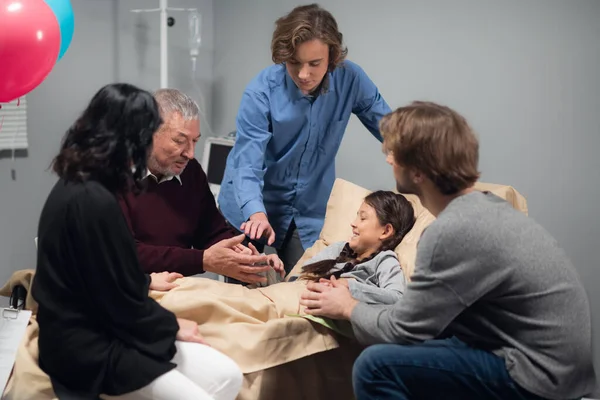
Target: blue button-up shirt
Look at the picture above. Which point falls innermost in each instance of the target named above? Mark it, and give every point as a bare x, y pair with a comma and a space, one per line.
283, 160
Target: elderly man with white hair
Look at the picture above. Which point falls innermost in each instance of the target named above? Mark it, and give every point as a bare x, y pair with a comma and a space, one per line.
175, 220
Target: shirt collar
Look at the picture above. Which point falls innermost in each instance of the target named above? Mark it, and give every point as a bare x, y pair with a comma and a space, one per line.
296, 94
165, 178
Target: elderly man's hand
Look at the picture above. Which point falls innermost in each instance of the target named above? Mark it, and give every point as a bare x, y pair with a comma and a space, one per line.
333, 300
223, 259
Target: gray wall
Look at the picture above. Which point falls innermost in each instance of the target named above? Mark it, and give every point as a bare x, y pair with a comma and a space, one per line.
109, 44
138, 50
525, 73
52, 107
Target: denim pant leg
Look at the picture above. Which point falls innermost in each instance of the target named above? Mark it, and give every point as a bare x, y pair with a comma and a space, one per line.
437, 369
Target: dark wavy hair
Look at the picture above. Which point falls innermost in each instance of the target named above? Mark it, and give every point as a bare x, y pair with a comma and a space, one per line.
390, 208
109, 142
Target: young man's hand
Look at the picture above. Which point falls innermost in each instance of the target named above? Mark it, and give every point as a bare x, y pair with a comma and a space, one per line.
258, 226
333, 300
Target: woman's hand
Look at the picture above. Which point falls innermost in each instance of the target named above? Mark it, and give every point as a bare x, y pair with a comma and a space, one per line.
188, 332
164, 281
272, 259
258, 226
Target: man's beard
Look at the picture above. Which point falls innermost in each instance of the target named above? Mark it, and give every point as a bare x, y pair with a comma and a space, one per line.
156, 169
407, 187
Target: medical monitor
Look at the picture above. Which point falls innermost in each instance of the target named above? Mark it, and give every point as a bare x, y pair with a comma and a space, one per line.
214, 159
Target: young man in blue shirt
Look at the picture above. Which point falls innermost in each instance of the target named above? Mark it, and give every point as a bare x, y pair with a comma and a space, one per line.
290, 124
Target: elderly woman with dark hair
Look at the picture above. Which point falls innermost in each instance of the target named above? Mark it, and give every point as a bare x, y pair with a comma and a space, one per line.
100, 333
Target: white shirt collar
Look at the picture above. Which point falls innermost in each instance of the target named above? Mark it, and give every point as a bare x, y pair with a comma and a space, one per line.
164, 178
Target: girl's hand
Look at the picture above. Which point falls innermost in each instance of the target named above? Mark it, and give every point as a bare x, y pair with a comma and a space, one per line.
273, 260
341, 281
329, 282
240, 248
276, 263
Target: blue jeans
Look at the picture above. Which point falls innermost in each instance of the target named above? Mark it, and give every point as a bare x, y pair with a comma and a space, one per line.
437, 369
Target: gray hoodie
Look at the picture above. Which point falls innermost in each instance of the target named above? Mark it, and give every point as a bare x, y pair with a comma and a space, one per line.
379, 280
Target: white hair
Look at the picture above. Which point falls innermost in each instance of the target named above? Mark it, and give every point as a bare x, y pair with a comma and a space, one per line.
173, 100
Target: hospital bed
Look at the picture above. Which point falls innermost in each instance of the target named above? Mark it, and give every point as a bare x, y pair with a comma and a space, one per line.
281, 356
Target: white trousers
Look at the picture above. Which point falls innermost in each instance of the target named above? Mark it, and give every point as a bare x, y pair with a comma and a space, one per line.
202, 373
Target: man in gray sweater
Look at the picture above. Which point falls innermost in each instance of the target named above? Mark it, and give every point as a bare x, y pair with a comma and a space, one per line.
494, 310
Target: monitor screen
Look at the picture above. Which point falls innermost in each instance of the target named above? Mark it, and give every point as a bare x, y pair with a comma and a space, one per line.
216, 162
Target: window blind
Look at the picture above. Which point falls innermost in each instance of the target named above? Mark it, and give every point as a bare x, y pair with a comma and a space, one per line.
13, 129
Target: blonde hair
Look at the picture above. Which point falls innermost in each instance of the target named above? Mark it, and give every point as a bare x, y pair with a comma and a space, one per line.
305, 23
435, 140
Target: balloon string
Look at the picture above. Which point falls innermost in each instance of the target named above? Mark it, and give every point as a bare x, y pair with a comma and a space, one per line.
14, 139
2, 123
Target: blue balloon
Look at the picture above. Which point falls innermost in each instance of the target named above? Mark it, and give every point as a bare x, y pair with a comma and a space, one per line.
66, 21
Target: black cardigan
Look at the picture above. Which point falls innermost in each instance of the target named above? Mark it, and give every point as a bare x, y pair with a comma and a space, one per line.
99, 330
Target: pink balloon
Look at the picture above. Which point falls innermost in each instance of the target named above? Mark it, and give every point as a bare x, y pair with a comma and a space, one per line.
29, 46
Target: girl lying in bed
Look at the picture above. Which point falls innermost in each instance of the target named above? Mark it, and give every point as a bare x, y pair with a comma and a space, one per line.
367, 263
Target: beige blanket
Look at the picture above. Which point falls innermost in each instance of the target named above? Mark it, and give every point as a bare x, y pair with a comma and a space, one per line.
252, 326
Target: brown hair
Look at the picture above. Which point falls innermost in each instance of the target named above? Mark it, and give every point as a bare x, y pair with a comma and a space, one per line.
306, 23
435, 140
390, 208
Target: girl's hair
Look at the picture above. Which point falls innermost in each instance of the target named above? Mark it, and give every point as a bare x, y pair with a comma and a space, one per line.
109, 142
390, 208
305, 23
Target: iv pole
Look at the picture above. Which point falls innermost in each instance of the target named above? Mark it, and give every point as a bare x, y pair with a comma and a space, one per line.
164, 59
164, 55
